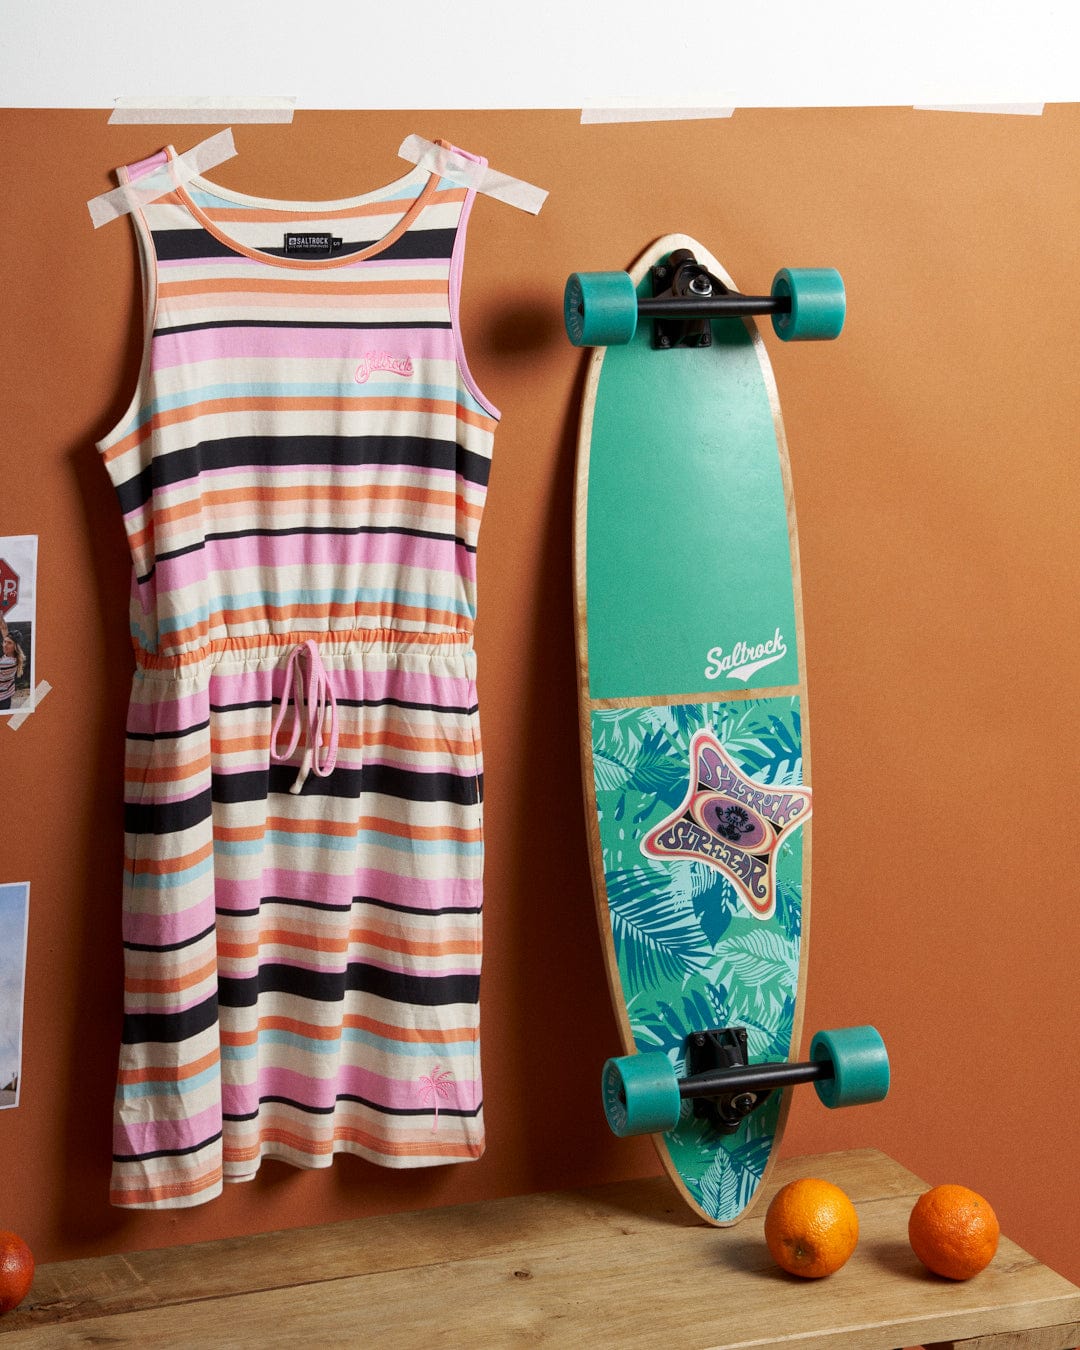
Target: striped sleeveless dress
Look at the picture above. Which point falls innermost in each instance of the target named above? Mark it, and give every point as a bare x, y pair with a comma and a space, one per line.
301, 472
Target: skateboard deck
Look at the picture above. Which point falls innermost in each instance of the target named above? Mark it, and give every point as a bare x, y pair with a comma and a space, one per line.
693, 720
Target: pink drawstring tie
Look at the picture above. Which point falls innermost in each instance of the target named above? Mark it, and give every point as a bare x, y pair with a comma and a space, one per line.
314, 701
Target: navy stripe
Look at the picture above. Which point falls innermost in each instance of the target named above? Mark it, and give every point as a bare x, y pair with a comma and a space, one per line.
298, 324
291, 902
345, 531
269, 452
172, 1152
195, 244
178, 734
405, 784
170, 1028
151, 817
463, 1112
169, 946
352, 703
277, 977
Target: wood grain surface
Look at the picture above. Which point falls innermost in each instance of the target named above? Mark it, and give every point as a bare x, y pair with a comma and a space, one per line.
623, 1264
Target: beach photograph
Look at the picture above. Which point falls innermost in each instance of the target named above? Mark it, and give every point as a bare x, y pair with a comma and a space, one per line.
14, 909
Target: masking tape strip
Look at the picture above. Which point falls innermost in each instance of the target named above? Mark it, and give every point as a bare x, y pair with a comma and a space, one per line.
1010, 109
131, 196
601, 115
202, 109
466, 172
17, 719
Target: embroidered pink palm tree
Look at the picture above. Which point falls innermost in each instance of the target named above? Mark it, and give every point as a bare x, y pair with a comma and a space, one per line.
432, 1087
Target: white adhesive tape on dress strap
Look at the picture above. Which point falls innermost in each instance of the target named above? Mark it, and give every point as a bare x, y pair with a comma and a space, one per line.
459, 168
176, 170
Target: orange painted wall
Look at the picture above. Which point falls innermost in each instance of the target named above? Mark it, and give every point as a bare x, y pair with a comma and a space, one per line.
934, 453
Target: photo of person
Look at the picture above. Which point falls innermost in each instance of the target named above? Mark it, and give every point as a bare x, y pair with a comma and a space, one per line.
14, 912
18, 599
14, 667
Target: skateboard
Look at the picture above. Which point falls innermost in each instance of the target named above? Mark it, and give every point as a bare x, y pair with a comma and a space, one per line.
692, 684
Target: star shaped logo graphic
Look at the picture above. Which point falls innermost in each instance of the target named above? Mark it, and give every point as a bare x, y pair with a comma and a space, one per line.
731, 823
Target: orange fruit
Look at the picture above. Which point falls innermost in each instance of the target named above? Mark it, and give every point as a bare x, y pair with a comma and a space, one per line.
811, 1227
953, 1231
16, 1270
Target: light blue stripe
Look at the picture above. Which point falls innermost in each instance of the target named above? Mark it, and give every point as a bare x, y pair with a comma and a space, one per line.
147, 880
407, 192
132, 1091
347, 844
348, 389
317, 1046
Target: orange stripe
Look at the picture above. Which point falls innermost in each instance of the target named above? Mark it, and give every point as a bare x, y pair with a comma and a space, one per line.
384, 736
333, 494
358, 937
170, 773
348, 830
230, 745
309, 1030
162, 1073
233, 618
377, 1143
168, 1190
163, 866
306, 493
175, 986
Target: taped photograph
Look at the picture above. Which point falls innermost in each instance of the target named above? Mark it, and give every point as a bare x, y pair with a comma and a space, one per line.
18, 599
14, 914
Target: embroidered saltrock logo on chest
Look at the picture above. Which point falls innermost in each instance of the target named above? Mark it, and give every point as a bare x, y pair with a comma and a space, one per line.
371, 362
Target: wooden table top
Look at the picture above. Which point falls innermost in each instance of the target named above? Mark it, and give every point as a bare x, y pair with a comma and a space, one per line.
624, 1264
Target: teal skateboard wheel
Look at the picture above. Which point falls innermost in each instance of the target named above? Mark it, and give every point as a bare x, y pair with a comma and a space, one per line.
641, 1095
860, 1066
600, 309
818, 303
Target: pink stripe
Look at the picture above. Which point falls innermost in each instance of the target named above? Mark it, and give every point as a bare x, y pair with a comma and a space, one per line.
292, 343
159, 929
168, 715
337, 551
307, 299
421, 894
243, 1098
153, 1135
412, 686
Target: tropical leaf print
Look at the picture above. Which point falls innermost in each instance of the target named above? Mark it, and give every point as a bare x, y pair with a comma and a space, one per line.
758, 957
729, 1183
657, 936
690, 955
665, 1024
714, 900
776, 757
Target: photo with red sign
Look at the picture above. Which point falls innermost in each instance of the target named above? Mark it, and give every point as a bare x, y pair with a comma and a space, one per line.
18, 600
